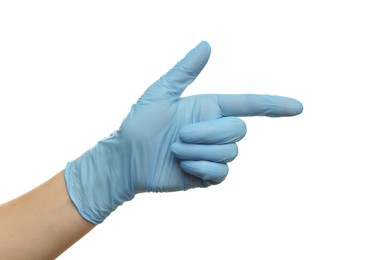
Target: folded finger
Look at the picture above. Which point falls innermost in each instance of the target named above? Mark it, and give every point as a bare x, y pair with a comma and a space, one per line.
219, 131
220, 153
208, 171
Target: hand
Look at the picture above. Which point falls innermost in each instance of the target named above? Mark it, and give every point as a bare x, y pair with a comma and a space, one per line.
167, 143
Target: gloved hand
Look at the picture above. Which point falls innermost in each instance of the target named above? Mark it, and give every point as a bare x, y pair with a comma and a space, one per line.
167, 143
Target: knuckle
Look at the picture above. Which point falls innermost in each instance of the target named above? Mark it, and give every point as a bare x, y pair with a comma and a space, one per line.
232, 151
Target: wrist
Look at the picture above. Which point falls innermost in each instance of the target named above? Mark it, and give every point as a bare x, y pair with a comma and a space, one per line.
96, 181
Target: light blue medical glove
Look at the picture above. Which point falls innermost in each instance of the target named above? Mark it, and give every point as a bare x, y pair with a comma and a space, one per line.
167, 143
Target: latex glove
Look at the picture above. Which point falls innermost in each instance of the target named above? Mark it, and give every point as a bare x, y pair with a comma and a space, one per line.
167, 143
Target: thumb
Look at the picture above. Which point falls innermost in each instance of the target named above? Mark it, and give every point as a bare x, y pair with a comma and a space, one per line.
174, 82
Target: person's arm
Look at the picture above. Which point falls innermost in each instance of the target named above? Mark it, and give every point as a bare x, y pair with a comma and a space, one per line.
42, 223
165, 143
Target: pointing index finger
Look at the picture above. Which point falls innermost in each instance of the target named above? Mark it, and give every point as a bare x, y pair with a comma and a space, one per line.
258, 105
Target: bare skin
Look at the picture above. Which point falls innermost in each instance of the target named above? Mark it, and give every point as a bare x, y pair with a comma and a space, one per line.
45, 215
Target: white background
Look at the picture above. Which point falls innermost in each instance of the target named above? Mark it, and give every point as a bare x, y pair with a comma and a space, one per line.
315, 186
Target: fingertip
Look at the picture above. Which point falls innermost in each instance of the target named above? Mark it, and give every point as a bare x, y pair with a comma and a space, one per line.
197, 58
299, 108
280, 106
186, 70
175, 149
205, 46
186, 133
294, 107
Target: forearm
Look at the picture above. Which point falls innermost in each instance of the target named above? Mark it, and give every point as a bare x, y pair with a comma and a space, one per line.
41, 224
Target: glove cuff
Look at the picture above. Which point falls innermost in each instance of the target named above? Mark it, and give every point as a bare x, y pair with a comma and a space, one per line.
94, 184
